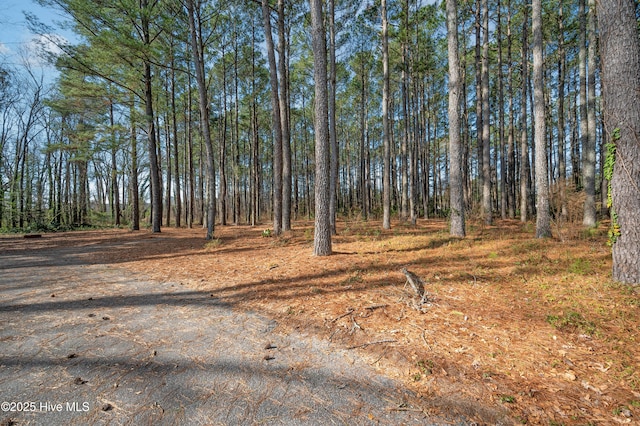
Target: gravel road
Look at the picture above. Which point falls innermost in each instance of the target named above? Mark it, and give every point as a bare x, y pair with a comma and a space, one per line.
83, 343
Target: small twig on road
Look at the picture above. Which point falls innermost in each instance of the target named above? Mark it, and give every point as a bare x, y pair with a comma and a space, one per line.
349, 312
333, 334
364, 345
384, 352
416, 410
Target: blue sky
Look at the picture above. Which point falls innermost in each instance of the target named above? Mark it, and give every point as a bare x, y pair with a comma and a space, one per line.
17, 43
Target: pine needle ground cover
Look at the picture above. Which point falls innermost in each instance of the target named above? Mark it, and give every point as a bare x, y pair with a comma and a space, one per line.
511, 324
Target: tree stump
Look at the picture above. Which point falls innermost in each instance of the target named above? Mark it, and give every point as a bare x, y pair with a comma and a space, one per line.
417, 284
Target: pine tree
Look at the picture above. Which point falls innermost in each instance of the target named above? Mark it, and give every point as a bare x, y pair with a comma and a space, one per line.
322, 236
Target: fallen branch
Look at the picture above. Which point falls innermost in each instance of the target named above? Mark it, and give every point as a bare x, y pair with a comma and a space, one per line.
373, 307
349, 312
364, 345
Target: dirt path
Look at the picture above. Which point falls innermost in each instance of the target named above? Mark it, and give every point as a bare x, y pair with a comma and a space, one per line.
91, 344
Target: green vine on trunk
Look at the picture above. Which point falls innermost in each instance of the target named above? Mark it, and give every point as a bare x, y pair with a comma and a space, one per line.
609, 163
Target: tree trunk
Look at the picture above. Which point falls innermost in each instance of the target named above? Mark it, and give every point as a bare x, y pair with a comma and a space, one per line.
620, 54
486, 120
236, 131
575, 141
189, 155
152, 146
276, 121
479, 109
404, 144
501, 124
333, 137
322, 237
133, 179
174, 122
587, 113
154, 175
363, 141
222, 163
524, 143
455, 145
255, 139
543, 217
115, 194
168, 154
386, 173
511, 151
284, 120
156, 192
582, 66
589, 150
198, 59
562, 163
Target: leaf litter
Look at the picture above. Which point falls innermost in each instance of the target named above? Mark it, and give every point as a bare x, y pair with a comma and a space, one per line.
535, 327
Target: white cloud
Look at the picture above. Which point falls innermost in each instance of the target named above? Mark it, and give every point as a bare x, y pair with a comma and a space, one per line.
40, 49
4, 50
47, 44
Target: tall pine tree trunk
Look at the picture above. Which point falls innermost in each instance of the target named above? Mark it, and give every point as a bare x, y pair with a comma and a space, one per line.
255, 139
198, 59
511, 149
386, 129
156, 191
174, 123
479, 109
455, 145
284, 120
589, 149
501, 119
115, 194
133, 177
543, 217
587, 113
620, 54
364, 185
152, 146
322, 237
562, 163
333, 137
222, 164
524, 142
276, 121
486, 119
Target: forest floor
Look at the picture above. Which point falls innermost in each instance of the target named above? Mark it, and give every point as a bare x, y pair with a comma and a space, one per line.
534, 328
87, 343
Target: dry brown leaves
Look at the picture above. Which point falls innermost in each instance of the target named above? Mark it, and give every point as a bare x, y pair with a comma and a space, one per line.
533, 327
